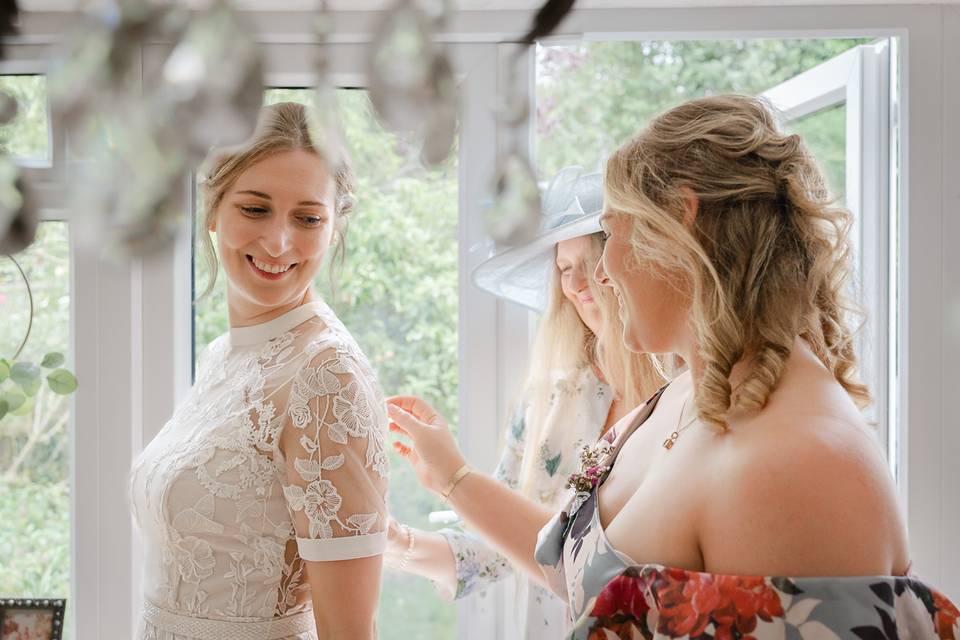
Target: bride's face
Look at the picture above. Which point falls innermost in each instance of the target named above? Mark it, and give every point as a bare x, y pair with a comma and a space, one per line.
274, 226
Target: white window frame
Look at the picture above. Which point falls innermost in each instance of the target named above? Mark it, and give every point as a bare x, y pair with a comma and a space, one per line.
124, 318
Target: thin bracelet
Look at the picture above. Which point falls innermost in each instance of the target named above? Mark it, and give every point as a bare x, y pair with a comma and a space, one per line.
458, 475
411, 541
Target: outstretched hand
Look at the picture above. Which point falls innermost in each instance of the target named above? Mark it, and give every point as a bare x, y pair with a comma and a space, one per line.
432, 451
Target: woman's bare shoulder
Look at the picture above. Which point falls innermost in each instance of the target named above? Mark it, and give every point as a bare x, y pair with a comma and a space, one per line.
806, 491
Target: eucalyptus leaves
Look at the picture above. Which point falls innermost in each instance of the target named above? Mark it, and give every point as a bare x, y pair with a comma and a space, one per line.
20, 381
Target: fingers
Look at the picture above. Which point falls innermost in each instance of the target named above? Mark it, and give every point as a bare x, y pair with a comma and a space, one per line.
415, 406
406, 452
403, 421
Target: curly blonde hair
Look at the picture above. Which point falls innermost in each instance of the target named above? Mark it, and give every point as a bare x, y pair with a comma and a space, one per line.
767, 257
284, 126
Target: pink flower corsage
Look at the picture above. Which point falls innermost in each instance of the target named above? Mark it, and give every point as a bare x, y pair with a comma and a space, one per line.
592, 470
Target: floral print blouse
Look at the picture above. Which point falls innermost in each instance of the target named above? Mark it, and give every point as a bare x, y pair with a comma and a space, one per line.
610, 596
576, 414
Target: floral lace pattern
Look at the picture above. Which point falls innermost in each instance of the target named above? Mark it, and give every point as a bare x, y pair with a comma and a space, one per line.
276, 456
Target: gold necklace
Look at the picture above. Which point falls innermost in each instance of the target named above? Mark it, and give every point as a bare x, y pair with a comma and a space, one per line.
672, 440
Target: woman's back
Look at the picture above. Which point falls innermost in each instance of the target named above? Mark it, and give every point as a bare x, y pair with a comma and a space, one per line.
625, 580
799, 488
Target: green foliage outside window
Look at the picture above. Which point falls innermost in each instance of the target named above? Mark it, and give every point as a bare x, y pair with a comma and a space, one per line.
27, 136
34, 438
593, 96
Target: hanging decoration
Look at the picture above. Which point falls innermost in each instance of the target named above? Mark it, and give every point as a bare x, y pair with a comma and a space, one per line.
9, 15
212, 82
412, 86
18, 212
326, 127
134, 142
19, 216
514, 216
139, 147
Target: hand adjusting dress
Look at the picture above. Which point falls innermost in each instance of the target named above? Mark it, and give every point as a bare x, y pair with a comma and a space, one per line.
611, 596
276, 456
575, 416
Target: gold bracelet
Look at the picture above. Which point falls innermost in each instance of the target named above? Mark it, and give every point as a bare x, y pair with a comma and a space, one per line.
458, 475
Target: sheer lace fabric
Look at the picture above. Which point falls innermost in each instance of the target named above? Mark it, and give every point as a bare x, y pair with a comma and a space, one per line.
276, 456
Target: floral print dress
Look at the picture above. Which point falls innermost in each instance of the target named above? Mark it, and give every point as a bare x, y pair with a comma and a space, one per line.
610, 596
277, 456
576, 414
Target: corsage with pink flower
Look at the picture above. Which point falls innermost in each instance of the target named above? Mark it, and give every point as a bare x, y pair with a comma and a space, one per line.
592, 471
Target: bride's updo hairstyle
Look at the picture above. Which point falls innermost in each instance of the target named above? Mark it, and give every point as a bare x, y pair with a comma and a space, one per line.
284, 126
767, 257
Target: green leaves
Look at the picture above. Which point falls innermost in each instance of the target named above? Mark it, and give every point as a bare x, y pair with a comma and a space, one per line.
19, 400
24, 373
52, 360
62, 381
12, 399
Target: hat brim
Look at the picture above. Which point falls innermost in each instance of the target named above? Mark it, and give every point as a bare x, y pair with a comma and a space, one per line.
522, 274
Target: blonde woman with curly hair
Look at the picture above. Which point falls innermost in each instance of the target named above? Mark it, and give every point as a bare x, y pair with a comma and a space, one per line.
749, 497
262, 502
580, 381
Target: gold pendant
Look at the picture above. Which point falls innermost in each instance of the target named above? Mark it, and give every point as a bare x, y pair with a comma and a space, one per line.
669, 442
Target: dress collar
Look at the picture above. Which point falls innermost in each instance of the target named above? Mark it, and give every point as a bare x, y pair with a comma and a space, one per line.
260, 333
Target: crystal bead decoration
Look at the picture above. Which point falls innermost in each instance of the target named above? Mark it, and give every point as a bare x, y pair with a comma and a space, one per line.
212, 82
326, 126
400, 65
514, 217
8, 108
19, 216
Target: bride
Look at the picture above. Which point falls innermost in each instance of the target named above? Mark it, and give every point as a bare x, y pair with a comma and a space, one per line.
261, 503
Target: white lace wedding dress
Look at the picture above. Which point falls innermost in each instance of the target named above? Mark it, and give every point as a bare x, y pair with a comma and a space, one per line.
276, 456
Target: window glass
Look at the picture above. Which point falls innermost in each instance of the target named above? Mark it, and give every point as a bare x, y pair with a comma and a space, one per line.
28, 134
583, 115
35, 439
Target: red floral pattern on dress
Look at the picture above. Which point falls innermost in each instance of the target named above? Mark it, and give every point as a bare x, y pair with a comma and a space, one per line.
625, 594
689, 601
946, 616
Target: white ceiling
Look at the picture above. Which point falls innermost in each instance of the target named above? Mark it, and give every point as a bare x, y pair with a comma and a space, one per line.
475, 5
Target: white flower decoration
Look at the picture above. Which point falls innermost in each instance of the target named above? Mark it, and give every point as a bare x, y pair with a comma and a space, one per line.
194, 559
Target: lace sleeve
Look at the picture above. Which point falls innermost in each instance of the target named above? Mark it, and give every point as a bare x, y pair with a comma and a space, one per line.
336, 467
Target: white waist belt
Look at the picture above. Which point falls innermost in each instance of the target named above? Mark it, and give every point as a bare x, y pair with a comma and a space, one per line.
207, 629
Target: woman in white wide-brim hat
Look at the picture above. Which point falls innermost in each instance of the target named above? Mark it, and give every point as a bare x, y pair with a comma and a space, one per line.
580, 381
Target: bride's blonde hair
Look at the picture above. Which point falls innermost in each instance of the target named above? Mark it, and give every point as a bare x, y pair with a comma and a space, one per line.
564, 345
284, 126
767, 258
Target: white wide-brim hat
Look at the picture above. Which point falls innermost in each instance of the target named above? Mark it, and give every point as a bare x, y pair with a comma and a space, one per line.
572, 205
